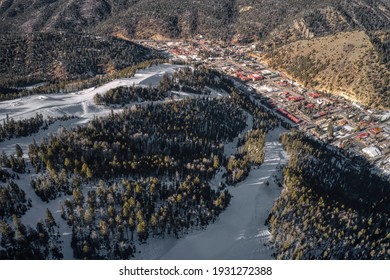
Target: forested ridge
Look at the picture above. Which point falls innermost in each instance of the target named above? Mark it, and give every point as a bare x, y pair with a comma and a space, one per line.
280, 20
349, 179
328, 209
60, 56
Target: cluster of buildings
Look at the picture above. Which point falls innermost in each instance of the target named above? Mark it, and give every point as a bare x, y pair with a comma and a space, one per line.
355, 129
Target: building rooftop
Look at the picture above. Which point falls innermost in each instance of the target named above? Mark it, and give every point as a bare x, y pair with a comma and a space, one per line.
372, 152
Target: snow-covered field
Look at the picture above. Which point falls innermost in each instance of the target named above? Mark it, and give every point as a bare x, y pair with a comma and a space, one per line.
239, 232
79, 103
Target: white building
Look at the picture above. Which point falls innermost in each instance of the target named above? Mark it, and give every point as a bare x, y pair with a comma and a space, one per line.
385, 117
348, 128
372, 152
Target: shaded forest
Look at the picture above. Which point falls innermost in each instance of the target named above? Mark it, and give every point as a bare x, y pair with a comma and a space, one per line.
328, 209
54, 57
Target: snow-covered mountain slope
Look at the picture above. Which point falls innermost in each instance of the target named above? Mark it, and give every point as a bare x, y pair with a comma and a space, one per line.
239, 232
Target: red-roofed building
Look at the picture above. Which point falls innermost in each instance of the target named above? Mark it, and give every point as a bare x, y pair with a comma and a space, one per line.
295, 98
314, 95
363, 135
255, 77
376, 130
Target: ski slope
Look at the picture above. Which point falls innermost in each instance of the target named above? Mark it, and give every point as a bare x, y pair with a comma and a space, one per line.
239, 232
79, 103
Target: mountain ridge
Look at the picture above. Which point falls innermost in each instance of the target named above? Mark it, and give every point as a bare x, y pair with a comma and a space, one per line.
269, 24
284, 19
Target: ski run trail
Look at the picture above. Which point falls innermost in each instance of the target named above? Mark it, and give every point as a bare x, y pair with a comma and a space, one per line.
239, 232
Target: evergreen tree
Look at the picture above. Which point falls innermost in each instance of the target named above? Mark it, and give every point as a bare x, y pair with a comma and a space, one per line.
19, 151
49, 219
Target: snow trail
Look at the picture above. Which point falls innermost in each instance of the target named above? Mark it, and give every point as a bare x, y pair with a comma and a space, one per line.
80, 103
239, 232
